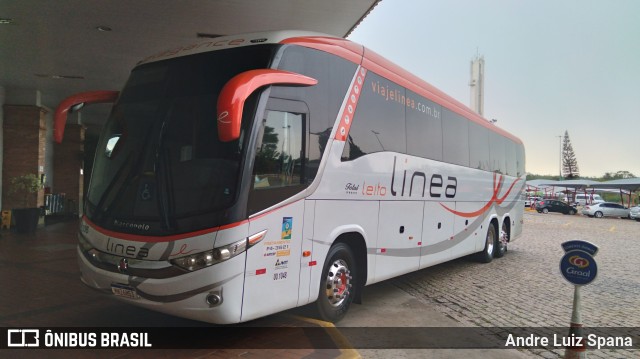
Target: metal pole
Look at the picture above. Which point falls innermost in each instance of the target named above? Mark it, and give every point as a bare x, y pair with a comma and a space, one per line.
576, 329
560, 162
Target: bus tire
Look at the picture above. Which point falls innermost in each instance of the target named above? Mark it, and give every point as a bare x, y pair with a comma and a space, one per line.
490, 243
501, 247
337, 284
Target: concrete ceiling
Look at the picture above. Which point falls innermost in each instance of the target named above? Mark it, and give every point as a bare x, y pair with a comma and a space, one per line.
55, 48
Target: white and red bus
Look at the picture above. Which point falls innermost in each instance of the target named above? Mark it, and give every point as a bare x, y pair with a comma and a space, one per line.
246, 175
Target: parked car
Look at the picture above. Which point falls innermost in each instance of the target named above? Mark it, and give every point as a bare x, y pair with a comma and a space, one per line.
551, 205
530, 200
606, 209
583, 200
634, 213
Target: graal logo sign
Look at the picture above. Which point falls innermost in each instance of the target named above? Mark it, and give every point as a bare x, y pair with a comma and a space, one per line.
23, 338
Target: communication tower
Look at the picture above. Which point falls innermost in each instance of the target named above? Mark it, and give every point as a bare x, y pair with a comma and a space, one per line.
477, 84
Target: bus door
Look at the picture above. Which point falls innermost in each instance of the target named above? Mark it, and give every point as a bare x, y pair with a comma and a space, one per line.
272, 273
272, 276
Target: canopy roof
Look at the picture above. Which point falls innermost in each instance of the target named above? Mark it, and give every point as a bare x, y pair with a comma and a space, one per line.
627, 184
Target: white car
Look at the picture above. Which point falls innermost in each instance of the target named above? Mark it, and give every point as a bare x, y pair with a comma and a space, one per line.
606, 209
585, 199
634, 213
530, 200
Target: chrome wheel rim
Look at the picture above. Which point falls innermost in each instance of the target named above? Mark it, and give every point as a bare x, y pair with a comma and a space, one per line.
338, 283
490, 242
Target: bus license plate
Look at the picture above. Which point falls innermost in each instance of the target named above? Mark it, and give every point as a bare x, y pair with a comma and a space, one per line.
124, 291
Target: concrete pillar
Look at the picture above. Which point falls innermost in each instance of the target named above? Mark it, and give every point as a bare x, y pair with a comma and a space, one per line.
67, 166
2, 96
24, 136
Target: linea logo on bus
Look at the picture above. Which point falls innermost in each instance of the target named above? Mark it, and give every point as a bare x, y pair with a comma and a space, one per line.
410, 181
579, 261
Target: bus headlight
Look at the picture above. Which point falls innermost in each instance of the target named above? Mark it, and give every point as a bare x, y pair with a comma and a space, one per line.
209, 258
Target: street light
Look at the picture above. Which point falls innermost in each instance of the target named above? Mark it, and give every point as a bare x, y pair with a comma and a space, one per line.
560, 162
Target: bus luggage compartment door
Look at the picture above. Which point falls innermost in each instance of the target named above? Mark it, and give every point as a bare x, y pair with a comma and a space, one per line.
399, 236
273, 265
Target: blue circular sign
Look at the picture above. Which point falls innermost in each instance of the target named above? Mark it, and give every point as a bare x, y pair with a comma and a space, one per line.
578, 267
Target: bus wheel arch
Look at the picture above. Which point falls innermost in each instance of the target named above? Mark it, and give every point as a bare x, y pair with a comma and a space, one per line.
343, 276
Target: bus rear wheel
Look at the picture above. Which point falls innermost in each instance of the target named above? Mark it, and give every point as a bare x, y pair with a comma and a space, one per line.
501, 243
490, 243
337, 288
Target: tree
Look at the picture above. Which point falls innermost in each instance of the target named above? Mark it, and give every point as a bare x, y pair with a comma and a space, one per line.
618, 175
267, 157
569, 161
24, 186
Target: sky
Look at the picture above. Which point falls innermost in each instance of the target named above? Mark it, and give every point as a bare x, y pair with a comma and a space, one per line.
550, 66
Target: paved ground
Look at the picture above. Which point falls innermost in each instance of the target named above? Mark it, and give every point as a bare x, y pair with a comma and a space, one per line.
526, 289
40, 287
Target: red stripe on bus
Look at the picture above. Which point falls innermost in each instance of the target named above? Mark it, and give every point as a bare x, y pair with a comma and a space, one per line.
497, 186
175, 237
155, 239
349, 110
346, 49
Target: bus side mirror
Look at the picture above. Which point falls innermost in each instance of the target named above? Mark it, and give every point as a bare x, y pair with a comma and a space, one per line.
75, 103
236, 91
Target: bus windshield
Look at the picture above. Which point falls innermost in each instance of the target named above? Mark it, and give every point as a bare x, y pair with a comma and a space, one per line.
160, 167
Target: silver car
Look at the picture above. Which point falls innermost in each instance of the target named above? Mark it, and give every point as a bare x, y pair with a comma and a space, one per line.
634, 213
606, 209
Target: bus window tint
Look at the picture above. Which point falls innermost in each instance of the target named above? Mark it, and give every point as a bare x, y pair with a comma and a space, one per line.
520, 159
479, 147
455, 135
378, 124
324, 99
510, 157
424, 128
497, 146
278, 161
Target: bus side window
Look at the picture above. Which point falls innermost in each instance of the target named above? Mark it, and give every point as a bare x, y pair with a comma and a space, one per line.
279, 154
279, 169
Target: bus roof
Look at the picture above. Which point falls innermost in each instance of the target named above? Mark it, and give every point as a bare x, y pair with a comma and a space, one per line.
340, 47
226, 42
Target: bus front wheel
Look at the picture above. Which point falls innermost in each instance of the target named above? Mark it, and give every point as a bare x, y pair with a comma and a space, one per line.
337, 288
